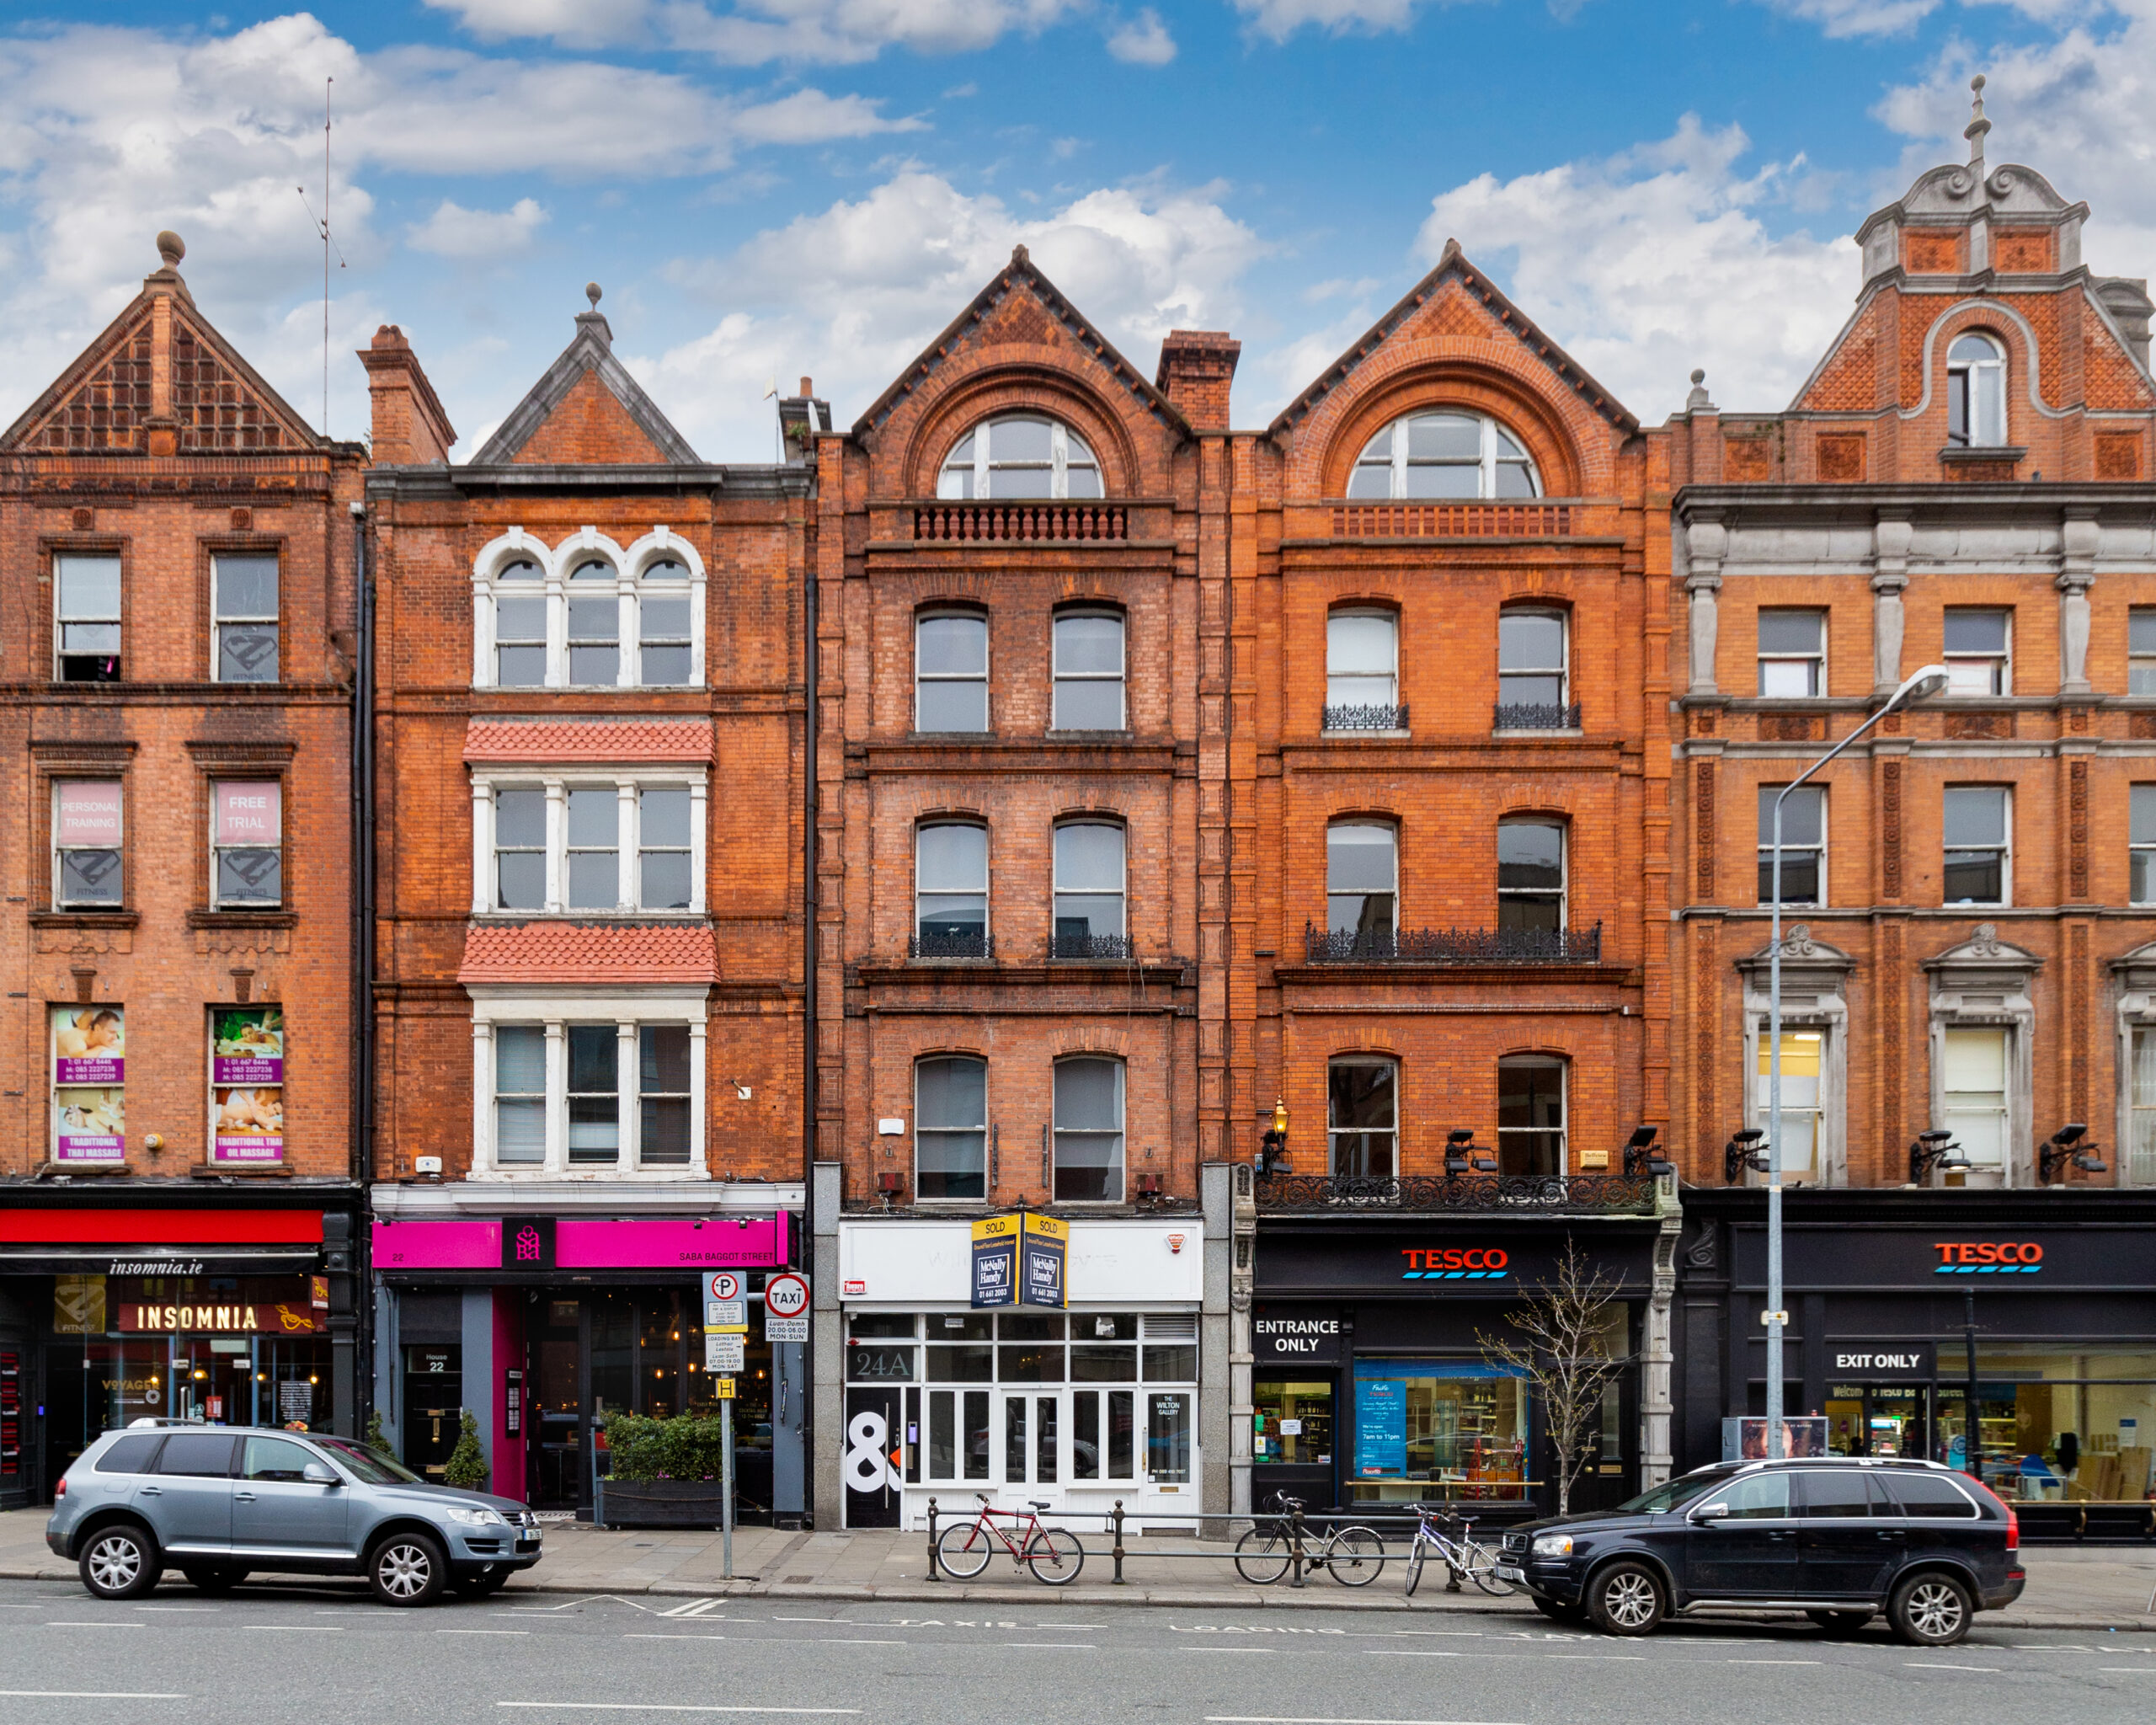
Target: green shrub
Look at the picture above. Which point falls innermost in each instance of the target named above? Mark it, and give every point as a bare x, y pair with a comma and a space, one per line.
377, 1438
687, 1446
467, 1467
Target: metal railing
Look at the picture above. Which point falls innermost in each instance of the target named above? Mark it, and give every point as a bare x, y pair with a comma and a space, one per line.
1024, 518
967, 943
1367, 718
1600, 1194
1536, 716
1115, 947
1453, 946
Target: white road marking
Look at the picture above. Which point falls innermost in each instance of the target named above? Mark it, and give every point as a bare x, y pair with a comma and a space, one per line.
1083, 1647
668, 1707
649, 1635
1912, 1665
1640, 1658
96, 1695
162, 1608
1413, 1653
690, 1609
298, 1628
1320, 1719
1771, 1661
94, 1623
859, 1641
1472, 1634
2136, 1670
808, 1619
1228, 1650
482, 1632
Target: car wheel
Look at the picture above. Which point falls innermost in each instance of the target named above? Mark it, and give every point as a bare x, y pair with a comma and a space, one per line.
214, 1577
1558, 1612
1626, 1598
119, 1562
407, 1569
1931, 1611
1846, 1621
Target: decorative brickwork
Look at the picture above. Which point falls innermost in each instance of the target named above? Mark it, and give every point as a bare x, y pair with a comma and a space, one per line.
1890, 834
1792, 728
1703, 825
585, 953
2023, 251
1974, 726
1747, 459
105, 411
2077, 804
2119, 454
1841, 456
1928, 253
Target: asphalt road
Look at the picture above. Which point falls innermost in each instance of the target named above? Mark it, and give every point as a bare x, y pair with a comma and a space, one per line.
272, 1653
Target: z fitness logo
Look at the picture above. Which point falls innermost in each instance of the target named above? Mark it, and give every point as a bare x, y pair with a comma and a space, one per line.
1454, 1264
1988, 1257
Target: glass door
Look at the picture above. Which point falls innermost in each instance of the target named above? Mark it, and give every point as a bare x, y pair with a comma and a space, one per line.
1032, 1463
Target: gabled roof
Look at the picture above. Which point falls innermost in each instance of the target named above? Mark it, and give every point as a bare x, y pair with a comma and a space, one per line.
589, 354
102, 403
1020, 275
1454, 266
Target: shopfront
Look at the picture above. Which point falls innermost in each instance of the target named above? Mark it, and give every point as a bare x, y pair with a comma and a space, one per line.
1373, 1382
173, 1304
542, 1325
1889, 1298
1075, 1403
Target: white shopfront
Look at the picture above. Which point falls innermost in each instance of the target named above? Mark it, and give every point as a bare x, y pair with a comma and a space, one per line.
1075, 1408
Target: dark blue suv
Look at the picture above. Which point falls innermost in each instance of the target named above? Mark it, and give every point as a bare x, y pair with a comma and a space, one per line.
1839, 1539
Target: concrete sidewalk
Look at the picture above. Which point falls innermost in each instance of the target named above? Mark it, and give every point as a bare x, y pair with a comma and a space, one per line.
2079, 1588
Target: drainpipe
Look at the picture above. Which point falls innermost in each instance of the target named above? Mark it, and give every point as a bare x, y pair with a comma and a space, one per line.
805, 1389
363, 1039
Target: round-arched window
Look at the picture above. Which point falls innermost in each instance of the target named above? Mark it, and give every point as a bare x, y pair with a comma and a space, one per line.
1976, 392
1019, 455
1444, 454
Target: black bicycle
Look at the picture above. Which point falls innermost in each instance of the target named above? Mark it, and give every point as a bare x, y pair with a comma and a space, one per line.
1353, 1555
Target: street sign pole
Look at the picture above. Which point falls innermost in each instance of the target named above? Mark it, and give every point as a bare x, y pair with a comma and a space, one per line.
726, 1489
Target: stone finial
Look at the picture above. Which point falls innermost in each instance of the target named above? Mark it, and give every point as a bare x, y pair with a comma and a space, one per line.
1977, 126
1019, 254
171, 249
591, 291
1699, 398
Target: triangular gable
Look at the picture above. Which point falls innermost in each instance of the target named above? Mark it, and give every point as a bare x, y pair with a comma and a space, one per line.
101, 404
1021, 275
1453, 267
587, 409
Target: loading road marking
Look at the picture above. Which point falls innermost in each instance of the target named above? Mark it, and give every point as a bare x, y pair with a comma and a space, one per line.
668, 1707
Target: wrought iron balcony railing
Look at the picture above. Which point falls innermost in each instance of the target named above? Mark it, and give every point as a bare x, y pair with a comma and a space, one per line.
1366, 718
961, 943
1453, 946
1112, 947
1536, 716
1604, 1194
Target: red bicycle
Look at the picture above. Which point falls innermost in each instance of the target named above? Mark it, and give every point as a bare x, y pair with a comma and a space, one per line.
1054, 1553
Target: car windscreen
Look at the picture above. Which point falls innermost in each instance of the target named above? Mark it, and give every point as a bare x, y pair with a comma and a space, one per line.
372, 1467
1672, 1495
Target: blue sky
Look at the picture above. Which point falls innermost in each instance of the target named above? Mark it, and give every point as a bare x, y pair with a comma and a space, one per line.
770, 188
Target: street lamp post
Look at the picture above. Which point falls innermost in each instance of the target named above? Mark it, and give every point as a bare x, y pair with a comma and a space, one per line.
1928, 682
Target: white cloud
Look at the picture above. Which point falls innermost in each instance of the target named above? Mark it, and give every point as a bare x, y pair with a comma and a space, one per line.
1280, 20
850, 295
454, 231
754, 32
1860, 18
1143, 41
1647, 264
811, 117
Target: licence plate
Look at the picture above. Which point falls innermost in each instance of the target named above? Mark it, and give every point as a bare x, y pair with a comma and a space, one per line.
1506, 1572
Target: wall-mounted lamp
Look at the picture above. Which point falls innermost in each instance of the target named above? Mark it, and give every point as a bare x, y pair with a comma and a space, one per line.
1742, 1152
2064, 1150
1936, 1149
1273, 1146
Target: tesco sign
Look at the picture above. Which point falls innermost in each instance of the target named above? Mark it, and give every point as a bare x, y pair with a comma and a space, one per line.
1988, 1257
1453, 1264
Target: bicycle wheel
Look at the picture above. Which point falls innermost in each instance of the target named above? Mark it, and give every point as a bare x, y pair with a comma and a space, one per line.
1354, 1555
1415, 1568
1482, 1570
963, 1549
1055, 1555
1261, 1556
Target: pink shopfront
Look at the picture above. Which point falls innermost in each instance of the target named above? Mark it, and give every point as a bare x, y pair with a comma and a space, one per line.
542, 1325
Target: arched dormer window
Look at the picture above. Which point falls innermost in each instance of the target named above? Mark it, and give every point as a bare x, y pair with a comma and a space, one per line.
1445, 454
588, 613
1021, 455
1976, 392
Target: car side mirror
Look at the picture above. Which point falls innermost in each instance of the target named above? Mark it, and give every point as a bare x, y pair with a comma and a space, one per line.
320, 1473
1711, 1512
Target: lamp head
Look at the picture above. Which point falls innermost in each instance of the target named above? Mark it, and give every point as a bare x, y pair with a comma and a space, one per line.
1920, 686
1280, 1115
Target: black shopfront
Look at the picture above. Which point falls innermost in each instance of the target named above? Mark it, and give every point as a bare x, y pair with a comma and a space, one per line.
1906, 1308
1371, 1381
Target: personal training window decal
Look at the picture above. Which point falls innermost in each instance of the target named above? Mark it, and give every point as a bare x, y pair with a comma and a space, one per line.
1988, 1257
1454, 1264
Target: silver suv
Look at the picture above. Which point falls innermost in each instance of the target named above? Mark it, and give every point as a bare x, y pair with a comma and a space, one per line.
217, 1501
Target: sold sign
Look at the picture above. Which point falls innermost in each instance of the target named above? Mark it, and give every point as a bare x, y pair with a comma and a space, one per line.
786, 1296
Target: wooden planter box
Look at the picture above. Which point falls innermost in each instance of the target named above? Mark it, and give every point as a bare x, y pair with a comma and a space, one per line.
659, 1503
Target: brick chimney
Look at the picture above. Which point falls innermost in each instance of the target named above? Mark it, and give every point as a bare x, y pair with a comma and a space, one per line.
410, 428
1197, 367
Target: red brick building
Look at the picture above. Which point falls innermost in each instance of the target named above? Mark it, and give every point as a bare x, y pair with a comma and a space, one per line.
176, 545
589, 956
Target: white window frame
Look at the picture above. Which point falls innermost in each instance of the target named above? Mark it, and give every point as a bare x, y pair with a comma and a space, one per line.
949, 481
219, 617
939, 613
2005, 1168
1056, 887
1487, 481
555, 563
2006, 849
1333, 1134
1766, 820
60, 620
1564, 865
1364, 613
1983, 383
1758, 1044
1057, 676
2136, 1163
2141, 665
56, 851
1562, 670
1816, 659
1563, 1068
554, 1012
216, 851
625, 782
987, 1127
1359, 820
987, 880
1058, 1131
1960, 662
611, 596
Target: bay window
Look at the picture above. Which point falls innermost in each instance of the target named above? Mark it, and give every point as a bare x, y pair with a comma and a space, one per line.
615, 844
583, 1086
588, 613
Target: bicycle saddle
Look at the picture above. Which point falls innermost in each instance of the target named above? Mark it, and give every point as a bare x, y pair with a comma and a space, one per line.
1036, 1503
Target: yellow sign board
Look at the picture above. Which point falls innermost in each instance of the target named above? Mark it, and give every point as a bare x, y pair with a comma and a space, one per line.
725, 1388
997, 1228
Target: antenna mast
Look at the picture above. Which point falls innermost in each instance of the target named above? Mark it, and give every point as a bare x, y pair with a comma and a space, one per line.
328, 245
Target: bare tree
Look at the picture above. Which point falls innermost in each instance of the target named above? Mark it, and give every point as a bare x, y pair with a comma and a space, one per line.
1562, 1350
